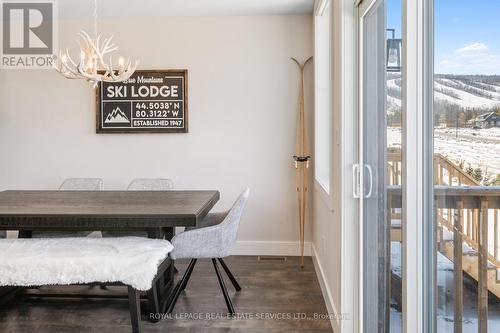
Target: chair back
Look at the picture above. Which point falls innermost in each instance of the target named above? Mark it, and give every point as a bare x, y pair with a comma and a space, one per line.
229, 226
82, 184
151, 184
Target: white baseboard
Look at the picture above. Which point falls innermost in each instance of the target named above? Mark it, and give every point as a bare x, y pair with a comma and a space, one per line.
327, 295
262, 248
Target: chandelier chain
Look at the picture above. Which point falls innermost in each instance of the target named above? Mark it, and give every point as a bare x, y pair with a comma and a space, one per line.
95, 18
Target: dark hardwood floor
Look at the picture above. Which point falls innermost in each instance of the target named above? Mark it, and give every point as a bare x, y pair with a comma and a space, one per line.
271, 289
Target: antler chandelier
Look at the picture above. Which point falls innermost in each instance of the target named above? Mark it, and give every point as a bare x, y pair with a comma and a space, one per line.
92, 65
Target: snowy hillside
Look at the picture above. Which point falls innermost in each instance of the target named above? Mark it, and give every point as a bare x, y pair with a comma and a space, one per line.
462, 91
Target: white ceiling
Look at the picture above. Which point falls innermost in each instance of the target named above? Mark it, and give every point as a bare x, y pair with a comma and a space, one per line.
82, 9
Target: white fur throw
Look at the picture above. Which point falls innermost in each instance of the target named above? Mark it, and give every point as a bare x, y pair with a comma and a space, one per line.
63, 261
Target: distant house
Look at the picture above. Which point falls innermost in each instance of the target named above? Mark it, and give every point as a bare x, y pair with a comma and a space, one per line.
486, 120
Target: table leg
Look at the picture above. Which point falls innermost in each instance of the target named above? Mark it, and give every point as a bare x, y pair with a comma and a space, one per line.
169, 234
166, 282
25, 234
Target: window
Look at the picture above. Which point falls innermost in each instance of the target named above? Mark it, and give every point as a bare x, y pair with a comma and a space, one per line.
322, 42
467, 165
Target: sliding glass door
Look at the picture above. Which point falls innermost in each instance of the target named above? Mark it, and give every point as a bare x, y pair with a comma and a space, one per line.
429, 218
380, 170
429, 239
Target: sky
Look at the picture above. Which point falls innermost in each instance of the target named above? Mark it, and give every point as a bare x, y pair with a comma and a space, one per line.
466, 33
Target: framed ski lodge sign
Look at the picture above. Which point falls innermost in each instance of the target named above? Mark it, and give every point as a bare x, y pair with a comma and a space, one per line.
150, 101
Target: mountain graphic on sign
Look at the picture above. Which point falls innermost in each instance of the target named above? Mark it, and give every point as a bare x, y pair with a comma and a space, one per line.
117, 117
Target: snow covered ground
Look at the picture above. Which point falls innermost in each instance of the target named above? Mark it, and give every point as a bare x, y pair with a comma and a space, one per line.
445, 288
479, 148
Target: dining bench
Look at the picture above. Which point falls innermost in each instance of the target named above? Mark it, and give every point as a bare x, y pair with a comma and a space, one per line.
132, 261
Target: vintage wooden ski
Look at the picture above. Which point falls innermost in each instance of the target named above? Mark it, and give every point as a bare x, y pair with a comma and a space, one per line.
301, 160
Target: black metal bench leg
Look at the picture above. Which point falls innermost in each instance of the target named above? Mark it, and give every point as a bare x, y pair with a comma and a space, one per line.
230, 275
229, 304
134, 301
180, 285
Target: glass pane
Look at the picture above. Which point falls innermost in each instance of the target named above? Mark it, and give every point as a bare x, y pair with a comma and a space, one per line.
467, 164
323, 95
394, 154
381, 156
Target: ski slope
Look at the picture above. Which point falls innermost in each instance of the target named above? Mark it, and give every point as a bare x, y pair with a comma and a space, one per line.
465, 93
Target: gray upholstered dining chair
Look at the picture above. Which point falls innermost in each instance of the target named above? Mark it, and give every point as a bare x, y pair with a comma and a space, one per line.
151, 184
212, 239
81, 184
72, 184
142, 184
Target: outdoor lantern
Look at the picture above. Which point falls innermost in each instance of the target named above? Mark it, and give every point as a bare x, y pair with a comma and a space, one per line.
393, 52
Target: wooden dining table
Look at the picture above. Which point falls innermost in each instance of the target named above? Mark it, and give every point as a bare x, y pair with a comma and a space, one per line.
155, 212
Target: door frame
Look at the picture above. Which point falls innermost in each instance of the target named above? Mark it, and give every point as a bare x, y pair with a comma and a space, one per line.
345, 155
419, 255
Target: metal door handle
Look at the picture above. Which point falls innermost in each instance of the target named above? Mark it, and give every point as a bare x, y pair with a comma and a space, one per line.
370, 172
355, 181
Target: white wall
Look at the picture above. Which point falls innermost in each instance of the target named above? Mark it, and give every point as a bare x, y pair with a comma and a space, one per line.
242, 115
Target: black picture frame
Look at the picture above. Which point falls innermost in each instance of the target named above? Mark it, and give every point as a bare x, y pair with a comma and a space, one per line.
117, 114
